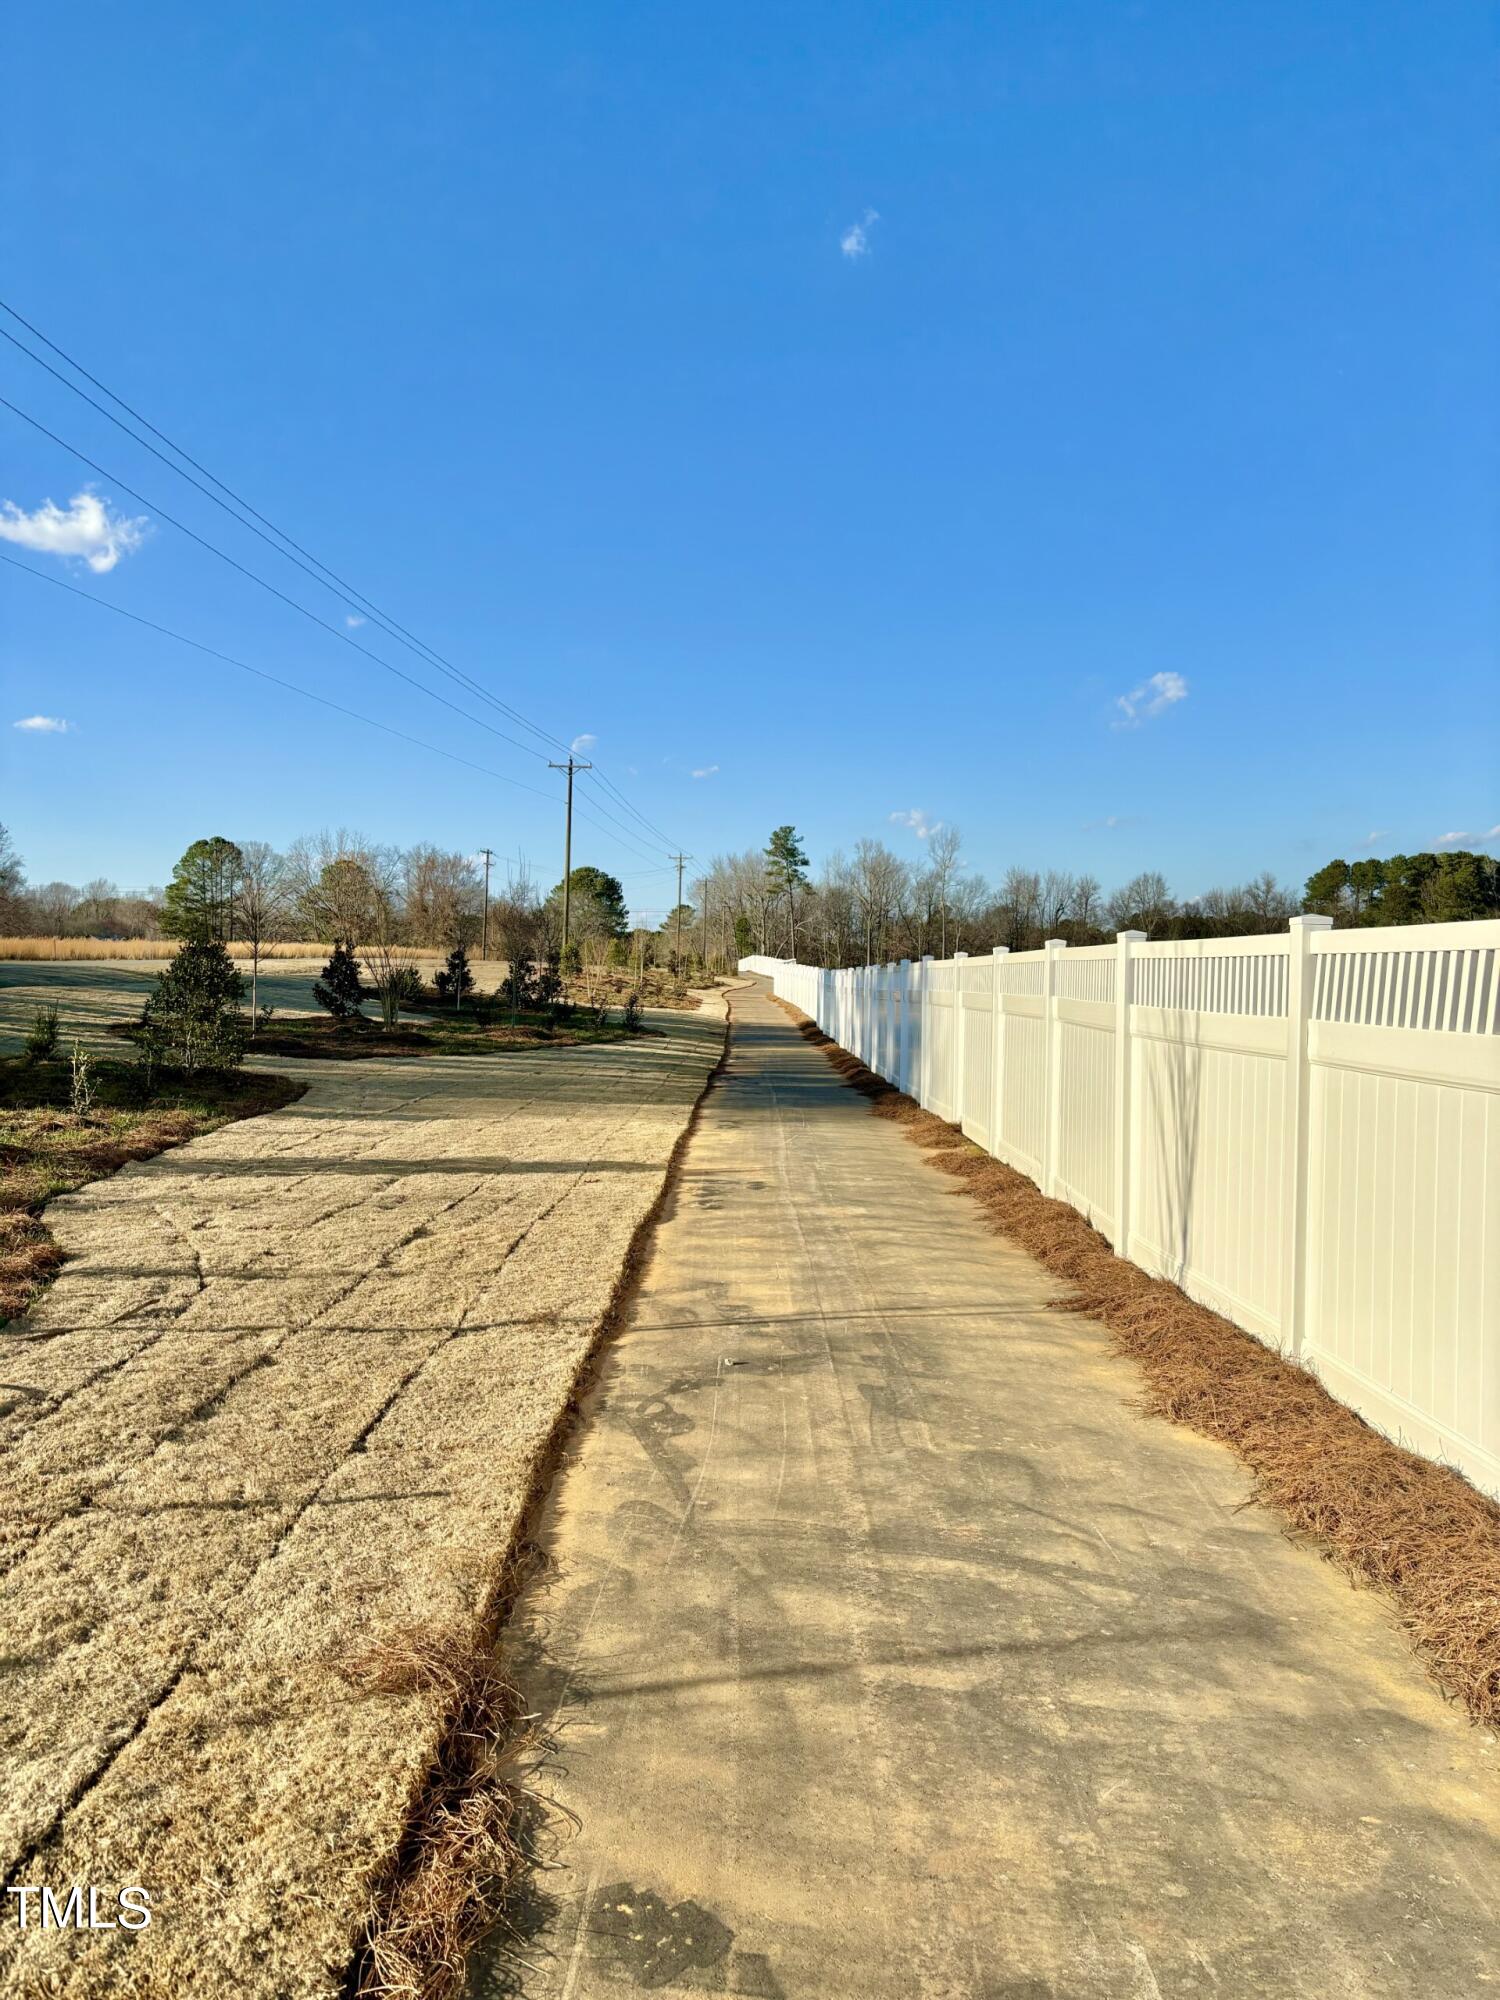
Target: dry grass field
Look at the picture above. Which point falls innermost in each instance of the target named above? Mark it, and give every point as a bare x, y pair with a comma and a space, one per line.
73, 950
93, 997
281, 1412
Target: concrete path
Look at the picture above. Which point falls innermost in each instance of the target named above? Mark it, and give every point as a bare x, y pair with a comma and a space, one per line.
889, 1650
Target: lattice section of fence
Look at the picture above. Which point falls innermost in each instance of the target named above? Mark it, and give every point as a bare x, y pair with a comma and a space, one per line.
1202, 980
1447, 988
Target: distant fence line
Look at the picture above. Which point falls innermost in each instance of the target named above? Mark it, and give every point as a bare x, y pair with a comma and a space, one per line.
1302, 1131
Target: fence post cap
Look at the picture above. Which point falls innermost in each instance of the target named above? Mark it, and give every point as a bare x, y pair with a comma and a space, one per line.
1130, 937
1000, 951
1310, 923
960, 954
1056, 944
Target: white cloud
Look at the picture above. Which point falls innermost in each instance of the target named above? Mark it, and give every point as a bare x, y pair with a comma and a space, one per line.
705, 771
1152, 697
855, 241
42, 725
923, 827
1470, 838
582, 743
84, 528
353, 621
1376, 833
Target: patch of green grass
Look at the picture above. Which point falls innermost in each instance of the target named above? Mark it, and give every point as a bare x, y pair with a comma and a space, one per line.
46, 1148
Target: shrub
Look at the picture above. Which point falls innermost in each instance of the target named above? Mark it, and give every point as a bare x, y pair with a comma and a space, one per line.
631, 1018
41, 1036
339, 990
457, 980
545, 988
194, 1019
82, 1081
572, 961
396, 980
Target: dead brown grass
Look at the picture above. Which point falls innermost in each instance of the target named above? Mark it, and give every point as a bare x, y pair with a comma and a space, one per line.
290, 1397
48, 1149
463, 1845
466, 1845
67, 948
1417, 1530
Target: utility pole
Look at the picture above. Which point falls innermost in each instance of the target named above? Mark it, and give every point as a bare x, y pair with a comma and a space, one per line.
677, 913
484, 927
570, 767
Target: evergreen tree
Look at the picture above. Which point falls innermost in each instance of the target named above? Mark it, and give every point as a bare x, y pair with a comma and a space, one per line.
592, 885
340, 989
200, 897
786, 872
194, 1018
457, 980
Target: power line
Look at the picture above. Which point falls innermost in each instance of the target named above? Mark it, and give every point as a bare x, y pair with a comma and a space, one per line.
389, 625
255, 577
198, 646
328, 579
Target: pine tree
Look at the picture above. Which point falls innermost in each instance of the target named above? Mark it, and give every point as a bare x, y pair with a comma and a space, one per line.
200, 897
194, 1018
457, 980
340, 990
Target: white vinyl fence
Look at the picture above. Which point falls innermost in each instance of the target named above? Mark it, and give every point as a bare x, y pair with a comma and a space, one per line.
1302, 1131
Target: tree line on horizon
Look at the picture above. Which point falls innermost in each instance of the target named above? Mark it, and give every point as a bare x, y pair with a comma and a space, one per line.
334, 888
869, 904
873, 905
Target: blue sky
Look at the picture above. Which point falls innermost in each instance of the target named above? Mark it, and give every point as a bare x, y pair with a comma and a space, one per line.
1162, 368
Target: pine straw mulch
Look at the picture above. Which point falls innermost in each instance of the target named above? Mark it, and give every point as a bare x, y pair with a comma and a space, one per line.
466, 1840
1387, 1517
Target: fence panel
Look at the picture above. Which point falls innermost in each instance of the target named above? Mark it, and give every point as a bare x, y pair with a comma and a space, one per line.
1303, 1131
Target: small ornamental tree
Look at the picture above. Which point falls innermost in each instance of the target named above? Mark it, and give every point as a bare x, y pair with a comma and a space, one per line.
194, 1018
340, 990
457, 980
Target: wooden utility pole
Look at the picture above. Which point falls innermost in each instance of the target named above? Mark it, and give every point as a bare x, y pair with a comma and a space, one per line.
570, 767
484, 924
677, 914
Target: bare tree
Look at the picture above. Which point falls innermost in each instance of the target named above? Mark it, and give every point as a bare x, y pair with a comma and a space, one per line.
1144, 903
943, 865
263, 900
1054, 900
878, 879
1087, 907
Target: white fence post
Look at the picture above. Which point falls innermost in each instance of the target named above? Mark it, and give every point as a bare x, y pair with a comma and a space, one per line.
903, 1028
1052, 1058
1124, 1085
924, 1058
960, 960
1299, 992
997, 1045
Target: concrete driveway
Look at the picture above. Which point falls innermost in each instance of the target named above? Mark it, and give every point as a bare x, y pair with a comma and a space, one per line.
889, 1650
